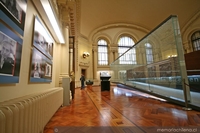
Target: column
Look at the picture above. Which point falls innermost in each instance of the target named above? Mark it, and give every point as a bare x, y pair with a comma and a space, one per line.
116, 70
71, 59
111, 59
71, 66
116, 55
64, 70
94, 49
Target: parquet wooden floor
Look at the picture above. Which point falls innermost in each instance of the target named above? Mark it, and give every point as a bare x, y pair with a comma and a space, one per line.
129, 110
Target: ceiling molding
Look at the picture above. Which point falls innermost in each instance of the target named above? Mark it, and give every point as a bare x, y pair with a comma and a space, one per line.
67, 10
191, 20
85, 19
118, 25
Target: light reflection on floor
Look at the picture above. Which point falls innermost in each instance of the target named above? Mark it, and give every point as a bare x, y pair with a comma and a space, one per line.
130, 93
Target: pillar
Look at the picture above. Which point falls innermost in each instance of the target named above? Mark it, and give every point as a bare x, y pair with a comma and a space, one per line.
116, 55
111, 59
71, 59
64, 67
95, 58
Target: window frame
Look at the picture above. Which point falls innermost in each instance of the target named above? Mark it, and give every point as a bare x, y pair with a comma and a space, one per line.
149, 53
130, 56
195, 40
102, 55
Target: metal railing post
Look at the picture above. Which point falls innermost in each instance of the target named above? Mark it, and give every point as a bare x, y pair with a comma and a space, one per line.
185, 96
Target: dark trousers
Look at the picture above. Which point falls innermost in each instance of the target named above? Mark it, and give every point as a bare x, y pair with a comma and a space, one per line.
72, 88
82, 84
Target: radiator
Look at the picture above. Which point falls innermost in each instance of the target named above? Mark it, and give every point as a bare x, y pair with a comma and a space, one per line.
30, 114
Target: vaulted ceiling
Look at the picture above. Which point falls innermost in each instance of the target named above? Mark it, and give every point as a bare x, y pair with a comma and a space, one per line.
93, 14
86, 16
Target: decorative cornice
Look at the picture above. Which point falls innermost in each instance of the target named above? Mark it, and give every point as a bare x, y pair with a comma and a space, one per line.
114, 49
67, 11
83, 64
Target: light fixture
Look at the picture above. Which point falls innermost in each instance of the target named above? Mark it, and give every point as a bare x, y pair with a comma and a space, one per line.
47, 7
86, 54
172, 56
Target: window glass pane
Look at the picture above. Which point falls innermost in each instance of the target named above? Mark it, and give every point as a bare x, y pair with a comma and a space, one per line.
124, 44
196, 41
102, 52
149, 53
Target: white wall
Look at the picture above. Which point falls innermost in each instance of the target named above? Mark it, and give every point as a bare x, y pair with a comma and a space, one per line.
10, 91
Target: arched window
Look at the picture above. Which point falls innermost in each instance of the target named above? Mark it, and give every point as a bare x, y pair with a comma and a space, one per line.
196, 41
125, 43
102, 52
149, 53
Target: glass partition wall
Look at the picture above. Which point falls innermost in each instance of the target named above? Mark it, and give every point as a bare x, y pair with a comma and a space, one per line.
160, 66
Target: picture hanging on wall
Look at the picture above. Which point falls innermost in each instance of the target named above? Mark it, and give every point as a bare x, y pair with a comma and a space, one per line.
12, 23
14, 12
10, 55
42, 40
41, 67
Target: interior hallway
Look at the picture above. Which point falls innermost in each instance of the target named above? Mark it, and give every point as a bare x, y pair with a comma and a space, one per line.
120, 107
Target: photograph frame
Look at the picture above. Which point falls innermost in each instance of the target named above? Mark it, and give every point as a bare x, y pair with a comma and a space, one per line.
11, 41
14, 14
38, 67
42, 39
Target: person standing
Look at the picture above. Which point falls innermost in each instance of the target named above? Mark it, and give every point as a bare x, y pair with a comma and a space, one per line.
82, 81
72, 83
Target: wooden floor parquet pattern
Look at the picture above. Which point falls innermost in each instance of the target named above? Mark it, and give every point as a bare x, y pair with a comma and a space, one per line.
109, 114
119, 107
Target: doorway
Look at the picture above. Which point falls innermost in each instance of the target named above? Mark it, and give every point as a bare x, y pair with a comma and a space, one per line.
83, 71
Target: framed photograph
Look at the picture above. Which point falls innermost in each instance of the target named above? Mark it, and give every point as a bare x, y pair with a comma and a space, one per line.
14, 11
41, 67
42, 40
10, 55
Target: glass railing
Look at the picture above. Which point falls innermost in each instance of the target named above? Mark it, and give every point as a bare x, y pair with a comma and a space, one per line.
165, 72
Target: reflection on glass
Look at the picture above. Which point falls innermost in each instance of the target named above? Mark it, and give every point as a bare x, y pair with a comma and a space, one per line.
160, 64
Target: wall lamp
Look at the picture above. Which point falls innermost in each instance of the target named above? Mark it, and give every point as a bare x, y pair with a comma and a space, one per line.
86, 54
172, 56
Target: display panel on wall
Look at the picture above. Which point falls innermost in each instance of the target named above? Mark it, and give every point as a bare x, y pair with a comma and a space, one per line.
10, 54
13, 12
42, 40
41, 67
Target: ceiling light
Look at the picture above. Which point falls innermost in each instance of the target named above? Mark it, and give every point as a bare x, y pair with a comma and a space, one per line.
47, 7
